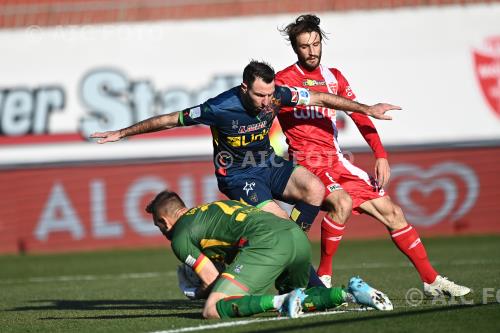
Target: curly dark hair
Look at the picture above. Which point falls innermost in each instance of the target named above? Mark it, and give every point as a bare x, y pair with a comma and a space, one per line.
303, 23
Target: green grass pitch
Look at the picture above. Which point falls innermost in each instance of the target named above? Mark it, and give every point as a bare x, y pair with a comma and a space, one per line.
136, 291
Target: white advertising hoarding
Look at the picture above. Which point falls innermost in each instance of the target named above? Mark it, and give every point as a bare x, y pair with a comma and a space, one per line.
441, 64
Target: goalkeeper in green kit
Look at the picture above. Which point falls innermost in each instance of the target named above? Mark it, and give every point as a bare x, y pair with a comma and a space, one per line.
259, 249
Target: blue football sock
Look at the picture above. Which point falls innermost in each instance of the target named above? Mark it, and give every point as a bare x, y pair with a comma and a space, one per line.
304, 214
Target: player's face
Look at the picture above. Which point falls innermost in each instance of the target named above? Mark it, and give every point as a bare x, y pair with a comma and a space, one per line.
259, 96
309, 50
160, 222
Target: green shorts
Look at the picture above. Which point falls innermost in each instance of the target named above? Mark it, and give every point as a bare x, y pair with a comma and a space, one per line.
265, 258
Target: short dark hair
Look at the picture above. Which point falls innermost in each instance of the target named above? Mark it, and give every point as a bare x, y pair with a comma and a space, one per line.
257, 69
303, 23
165, 201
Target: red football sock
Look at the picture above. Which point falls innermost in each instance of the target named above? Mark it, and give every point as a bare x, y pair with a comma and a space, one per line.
331, 234
408, 242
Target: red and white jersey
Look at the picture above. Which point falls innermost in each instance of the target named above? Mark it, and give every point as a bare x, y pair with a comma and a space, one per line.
311, 131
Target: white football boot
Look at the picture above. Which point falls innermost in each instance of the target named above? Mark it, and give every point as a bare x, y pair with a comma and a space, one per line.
327, 280
443, 286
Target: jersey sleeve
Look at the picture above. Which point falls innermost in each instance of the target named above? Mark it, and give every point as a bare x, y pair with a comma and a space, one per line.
186, 251
369, 133
362, 121
344, 87
293, 96
201, 114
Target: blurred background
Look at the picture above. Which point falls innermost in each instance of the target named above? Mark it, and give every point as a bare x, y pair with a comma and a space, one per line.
69, 68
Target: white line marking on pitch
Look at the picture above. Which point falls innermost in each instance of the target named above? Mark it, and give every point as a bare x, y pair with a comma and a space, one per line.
147, 275
244, 322
71, 278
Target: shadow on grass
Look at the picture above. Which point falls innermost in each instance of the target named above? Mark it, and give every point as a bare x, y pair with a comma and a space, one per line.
375, 316
187, 315
51, 304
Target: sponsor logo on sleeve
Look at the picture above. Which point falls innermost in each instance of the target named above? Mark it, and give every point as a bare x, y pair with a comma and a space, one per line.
304, 97
190, 260
195, 112
349, 93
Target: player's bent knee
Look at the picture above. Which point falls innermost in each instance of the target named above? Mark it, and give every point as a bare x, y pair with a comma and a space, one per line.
339, 205
210, 308
345, 203
210, 311
396, 218
344, 208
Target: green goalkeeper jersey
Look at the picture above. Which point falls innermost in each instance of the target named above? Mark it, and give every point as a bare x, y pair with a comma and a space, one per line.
219, 229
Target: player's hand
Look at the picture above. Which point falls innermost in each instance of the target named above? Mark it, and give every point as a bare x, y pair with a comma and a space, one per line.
109, 136
378, 111
382, 171
185, 285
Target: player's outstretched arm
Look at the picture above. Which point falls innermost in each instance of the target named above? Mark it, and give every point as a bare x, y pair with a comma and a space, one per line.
340, 103
153, 124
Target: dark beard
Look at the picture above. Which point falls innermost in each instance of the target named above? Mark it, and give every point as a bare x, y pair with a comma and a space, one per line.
247, 104
309, 67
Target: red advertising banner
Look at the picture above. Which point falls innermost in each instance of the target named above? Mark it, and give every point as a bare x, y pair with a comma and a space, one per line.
442, 192
93, 207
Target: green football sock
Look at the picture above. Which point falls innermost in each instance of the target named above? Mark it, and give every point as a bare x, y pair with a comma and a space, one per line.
243, 306
321, 298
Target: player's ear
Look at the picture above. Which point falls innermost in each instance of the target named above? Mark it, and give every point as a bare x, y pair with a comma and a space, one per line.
168, 221
244, 87
159, 220
149, 208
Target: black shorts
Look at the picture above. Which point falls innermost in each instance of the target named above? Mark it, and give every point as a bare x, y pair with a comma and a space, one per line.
258, 185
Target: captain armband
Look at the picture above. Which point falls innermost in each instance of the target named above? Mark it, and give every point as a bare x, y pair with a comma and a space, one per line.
301, 96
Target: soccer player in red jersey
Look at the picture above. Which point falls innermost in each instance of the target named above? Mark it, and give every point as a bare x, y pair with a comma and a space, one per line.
314, 145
